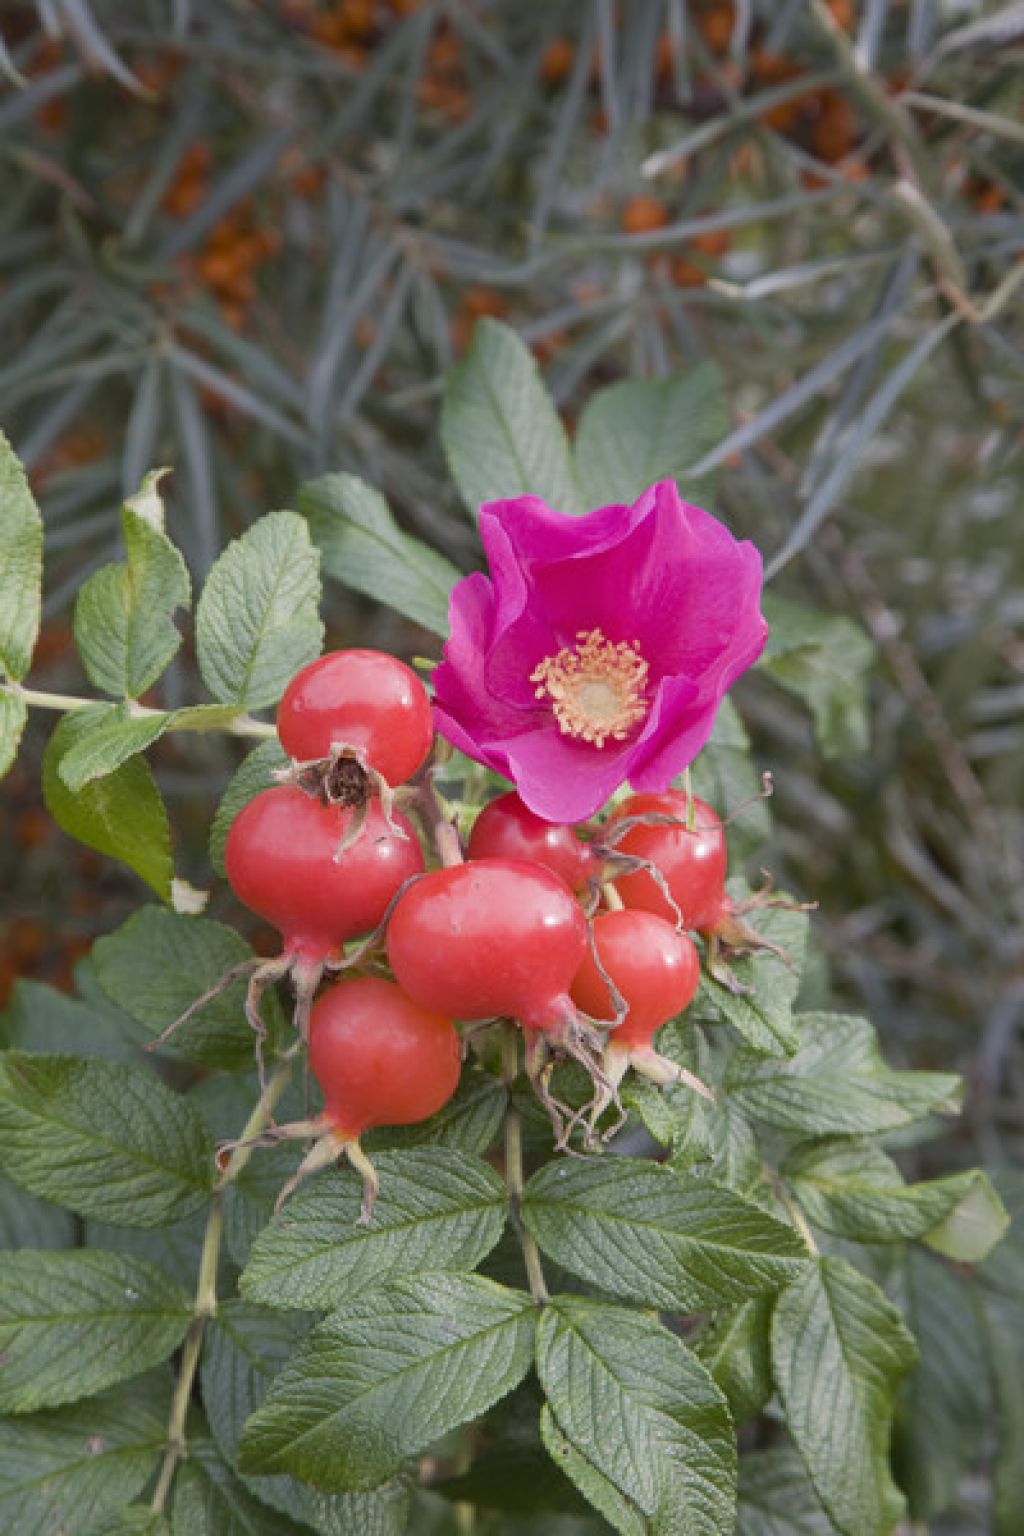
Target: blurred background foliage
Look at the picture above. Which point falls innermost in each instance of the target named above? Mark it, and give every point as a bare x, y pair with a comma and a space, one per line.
247, 240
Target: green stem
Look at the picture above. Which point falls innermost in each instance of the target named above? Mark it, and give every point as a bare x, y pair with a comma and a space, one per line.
205, 1305
240, 725
514, 1176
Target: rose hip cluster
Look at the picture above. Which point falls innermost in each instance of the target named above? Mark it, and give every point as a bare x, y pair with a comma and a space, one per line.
581, 941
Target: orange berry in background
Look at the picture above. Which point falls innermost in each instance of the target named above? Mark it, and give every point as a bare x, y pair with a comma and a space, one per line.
358, 19
714, 243
843, 14
834, 131
26, 941
686, 275
546, 348
665, 59
31, 828
643, 214
479, 301
556, 61
445, 53
715, 24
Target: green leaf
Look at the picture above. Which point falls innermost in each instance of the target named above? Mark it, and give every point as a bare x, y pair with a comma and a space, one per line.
975, 1223
26, 1222
122, 734
1003, 1270
76, 1321
511, 1470
499, 426
946, 1402
854, 1189
115, 737
245, 1348
362, 546
778, 1499
736, 1348
13, 717
104, 1139
175, 1249
641, 430
21, 566
437, 1210
121, 815
155, 966
657, 1237
209, 1500
837, 1083
254, 774
250, 1200
470, 1122
41, 1019
838, 1351
597, 1489
72, 1468
675, 1116
634, 1402
133, 1520
386, 1375
258, 619
124, 614
1006, 1350
825, 660
724, 775
763, 1015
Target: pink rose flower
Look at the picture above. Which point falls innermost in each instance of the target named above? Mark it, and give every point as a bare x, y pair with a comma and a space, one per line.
599, 648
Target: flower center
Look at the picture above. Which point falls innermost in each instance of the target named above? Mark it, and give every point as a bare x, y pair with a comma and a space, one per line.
596, 687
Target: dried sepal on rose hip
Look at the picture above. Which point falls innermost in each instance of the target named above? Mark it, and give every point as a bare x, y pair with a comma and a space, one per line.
499, 938
380, 1060
281, 862
641, 964
355, 723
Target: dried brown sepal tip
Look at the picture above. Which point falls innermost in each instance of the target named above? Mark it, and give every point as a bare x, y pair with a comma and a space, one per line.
644, 1059
572, 1038
732, 936
329, 1148
305, 976
344, 778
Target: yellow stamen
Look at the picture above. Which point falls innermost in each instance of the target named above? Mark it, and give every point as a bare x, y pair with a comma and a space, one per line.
596, 687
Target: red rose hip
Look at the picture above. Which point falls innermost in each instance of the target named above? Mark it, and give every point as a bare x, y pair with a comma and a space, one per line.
692, 861
365, 700
508, 829
280, 861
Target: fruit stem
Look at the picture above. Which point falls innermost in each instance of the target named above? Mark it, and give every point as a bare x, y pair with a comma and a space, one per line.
612, 900
514, 1177
205, 1305
66, 703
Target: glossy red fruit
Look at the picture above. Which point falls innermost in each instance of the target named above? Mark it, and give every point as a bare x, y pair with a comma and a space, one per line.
655, 969
693, 863
488, 939
362, 699
280, 861
380, 1058
507, 829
